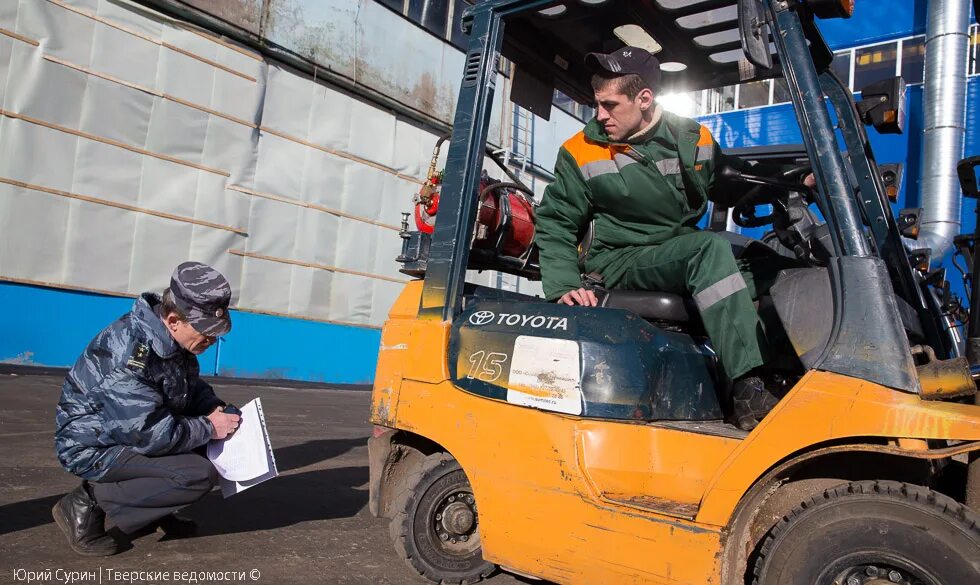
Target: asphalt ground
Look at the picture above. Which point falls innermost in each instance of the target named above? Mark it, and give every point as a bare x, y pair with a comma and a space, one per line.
309, 525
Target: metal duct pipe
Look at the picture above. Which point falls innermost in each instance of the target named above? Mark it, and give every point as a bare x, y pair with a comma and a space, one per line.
944, 105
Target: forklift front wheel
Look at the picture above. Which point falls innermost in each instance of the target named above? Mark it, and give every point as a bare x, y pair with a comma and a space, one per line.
435, 527
872, 532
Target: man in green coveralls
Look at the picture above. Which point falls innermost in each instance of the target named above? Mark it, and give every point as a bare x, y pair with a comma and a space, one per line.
643, 176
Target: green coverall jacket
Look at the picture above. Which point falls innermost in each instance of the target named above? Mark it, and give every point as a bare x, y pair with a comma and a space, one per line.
613, 186
643, 200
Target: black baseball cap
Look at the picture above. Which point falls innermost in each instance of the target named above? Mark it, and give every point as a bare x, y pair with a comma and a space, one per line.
625, 61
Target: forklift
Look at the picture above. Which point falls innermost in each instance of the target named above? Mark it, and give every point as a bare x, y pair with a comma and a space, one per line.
589, 444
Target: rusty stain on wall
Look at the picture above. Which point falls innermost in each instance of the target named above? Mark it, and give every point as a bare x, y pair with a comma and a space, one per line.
360, 40
245, 14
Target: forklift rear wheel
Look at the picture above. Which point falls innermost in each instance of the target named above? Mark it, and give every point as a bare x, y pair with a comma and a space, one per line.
435, 527
873, 533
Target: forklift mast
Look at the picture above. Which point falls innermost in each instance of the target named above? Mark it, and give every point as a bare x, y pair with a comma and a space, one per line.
867, 339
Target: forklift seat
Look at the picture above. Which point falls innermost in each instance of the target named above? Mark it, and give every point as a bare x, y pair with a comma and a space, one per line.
653, 305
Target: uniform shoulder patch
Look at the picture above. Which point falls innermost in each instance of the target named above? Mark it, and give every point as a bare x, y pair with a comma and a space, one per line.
704, 137
585, 151
137, 360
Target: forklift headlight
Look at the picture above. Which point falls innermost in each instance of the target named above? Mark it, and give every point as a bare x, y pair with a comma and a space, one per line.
832, 8
891, 179
920, 259
908, 222
882, 105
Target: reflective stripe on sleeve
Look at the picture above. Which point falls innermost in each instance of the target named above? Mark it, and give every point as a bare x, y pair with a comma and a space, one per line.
604, 167
719, 291
669, 166
624, 160
599, 167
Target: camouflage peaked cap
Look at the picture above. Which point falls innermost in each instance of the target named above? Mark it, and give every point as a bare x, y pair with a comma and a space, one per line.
202, 294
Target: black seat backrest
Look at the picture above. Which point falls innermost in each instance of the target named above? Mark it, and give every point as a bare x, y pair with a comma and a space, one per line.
654, 305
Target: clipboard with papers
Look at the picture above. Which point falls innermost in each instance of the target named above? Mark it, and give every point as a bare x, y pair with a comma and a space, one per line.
245, 459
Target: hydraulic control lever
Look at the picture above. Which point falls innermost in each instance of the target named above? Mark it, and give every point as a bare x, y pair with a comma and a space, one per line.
731, 174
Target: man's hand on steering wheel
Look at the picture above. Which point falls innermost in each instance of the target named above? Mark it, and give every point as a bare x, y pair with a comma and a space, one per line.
810, 181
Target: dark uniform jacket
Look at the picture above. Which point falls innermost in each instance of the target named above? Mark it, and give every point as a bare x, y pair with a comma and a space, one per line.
135, 388
621, 189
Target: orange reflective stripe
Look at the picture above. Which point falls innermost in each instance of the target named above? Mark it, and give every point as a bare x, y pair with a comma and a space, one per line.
705, 139
585, 151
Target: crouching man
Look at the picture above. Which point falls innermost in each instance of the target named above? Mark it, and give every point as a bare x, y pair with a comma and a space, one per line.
134, 414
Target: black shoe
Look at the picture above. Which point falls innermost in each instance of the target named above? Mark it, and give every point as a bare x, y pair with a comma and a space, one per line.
83, 522
751, 402
177, 526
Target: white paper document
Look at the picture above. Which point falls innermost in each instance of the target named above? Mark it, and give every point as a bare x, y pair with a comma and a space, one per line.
246, 458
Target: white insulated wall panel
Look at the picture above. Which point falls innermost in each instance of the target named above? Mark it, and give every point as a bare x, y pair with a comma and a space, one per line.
159, 242
121, 157
211, 246
33, 246
99, 249
35, 154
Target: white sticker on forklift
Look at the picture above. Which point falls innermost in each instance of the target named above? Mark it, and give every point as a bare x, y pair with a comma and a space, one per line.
545, 374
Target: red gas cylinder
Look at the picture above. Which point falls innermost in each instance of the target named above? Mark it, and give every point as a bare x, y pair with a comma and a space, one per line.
425, 214
506, 215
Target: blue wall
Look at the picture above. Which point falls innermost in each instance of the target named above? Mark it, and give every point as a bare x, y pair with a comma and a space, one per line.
51, 327
875, 21
778, 125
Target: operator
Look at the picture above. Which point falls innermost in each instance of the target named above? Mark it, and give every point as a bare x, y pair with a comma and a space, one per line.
134, 412
643, 176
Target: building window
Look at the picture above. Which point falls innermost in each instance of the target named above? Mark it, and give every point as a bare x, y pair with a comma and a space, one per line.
841, 65
719, 100
564, 102
457, 37
396, 5
856, 68
440, 17
913, 59
972, 50
874, 63
432, 14
570, 106
780, 91
753, 94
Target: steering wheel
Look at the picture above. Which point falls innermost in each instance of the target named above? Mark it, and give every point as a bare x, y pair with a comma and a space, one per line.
743, 213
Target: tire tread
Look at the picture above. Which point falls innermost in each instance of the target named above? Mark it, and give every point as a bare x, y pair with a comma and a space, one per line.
956, 512
401, 523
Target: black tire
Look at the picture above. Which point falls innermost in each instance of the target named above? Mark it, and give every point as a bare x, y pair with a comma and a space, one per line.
873, 532
441, 554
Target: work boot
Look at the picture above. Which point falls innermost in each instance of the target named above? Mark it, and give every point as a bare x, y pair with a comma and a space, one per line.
177, 526
751, 401
79, 516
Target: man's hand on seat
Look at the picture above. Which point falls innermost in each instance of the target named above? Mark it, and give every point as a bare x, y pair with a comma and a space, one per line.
582, 296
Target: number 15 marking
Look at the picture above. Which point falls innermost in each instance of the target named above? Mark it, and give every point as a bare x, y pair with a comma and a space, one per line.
486, 366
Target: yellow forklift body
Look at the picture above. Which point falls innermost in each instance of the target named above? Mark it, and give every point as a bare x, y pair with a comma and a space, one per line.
594, 501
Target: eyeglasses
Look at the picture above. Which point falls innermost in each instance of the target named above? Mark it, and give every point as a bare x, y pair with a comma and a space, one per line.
211, 339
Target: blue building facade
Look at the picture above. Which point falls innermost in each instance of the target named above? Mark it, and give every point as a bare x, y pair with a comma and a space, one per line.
881, 39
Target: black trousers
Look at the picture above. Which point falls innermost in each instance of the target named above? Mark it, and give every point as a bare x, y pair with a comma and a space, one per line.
139, 490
